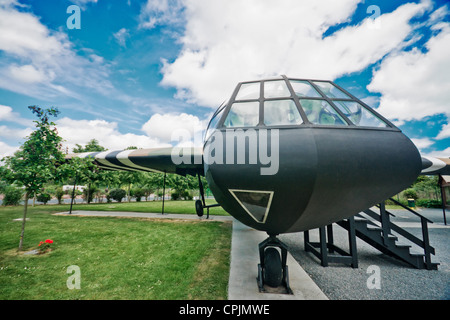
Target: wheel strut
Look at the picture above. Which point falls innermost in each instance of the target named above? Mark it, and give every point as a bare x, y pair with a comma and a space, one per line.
273, 271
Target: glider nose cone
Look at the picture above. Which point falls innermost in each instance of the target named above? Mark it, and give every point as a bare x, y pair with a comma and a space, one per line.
324, 175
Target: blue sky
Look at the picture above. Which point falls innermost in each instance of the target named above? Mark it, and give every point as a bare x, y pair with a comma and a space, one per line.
136, 71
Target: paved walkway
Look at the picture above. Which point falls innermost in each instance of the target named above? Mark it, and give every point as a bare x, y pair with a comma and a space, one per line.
242, 284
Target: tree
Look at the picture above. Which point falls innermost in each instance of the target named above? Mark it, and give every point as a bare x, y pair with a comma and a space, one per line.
128, 178
37, 159
91, 146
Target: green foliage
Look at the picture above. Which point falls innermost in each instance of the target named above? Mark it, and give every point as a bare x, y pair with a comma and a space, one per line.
36, 161
117, 194
138, 193
175, 195
59, 193
410, 193
43, 197
429, 203
88, 193
91, 146
12, 196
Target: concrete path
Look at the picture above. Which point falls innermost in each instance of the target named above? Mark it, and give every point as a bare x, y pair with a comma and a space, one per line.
242, 283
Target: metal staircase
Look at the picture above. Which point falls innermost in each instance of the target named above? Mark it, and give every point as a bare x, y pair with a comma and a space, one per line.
377, 230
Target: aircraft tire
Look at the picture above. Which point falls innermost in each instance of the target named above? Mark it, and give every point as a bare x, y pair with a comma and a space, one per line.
273, 272
199, 208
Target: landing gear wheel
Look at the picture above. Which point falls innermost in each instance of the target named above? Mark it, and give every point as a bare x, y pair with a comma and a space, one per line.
273, 270
199, 208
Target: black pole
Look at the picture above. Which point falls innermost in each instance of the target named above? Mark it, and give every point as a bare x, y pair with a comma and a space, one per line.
164, 192
443, 197
73, 193
202, 191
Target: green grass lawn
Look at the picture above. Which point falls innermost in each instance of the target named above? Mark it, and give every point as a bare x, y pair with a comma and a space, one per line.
119, 258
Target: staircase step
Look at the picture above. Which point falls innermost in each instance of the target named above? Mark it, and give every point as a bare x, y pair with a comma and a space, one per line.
372, 233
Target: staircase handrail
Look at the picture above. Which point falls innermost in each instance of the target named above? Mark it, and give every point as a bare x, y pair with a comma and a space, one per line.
410, 210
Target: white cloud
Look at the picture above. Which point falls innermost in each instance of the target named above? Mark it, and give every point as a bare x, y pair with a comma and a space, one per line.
158, 12
422, 143
84, 3
43, 63
445, 132
229, 41
121, 36
27, 74
14, 133
439, 154
416, 84
106, 133
6, 150
168, 127
7, 114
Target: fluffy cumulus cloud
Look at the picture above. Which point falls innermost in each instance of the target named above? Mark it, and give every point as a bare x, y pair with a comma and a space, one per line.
228, 41
157, 12
180, 129
415, 84
445, 132
6, 150
40, 62
106, 133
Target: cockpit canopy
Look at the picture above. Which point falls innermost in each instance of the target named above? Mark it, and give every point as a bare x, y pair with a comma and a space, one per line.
294, 102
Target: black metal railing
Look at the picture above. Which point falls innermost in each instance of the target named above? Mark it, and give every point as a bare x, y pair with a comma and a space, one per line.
424, 243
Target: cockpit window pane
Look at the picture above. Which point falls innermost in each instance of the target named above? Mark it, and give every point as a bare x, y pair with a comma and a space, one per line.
214, 121
359, 115
330, 90
243, 114
321, 112
248, 91
276, 89
304, 89
281, 112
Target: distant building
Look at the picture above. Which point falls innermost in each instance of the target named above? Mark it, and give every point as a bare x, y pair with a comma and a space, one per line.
70, 188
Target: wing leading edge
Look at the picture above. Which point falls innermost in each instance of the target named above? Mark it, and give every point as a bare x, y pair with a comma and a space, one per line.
434, 166
177, 160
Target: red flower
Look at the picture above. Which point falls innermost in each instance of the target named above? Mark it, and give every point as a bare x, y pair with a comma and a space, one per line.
48, 241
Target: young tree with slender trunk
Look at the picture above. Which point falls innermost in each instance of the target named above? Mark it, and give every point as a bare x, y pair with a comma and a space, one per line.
37, 160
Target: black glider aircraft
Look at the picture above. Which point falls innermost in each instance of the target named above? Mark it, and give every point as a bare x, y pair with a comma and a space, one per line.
286, 155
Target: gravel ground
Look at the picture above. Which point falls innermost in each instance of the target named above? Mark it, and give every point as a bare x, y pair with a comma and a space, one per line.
398, 281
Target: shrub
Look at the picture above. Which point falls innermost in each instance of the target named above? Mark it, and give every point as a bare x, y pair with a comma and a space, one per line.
187, 195
88, 193
117, 194
429, 203
12, 196
59, 194
411, 194
43, 197
137, 193
175, 195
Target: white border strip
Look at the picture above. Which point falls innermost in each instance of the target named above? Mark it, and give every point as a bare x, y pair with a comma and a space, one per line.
436, 164
123, 158
255, 191
101, 157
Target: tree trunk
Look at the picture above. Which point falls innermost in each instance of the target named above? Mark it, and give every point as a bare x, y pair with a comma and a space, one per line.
23, 221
